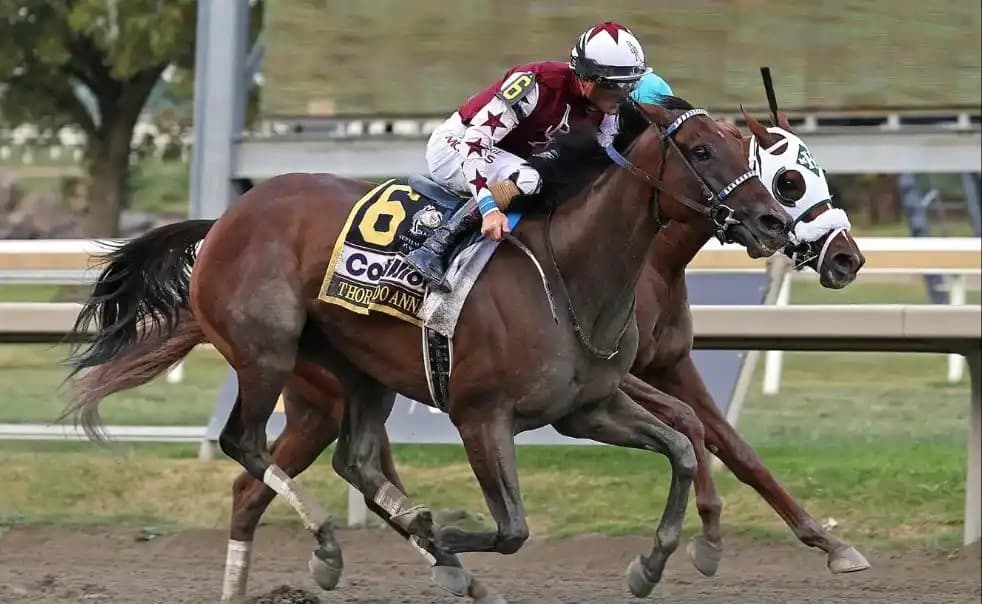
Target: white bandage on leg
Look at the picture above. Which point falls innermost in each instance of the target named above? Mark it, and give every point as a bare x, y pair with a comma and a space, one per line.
414, 542
311, 513
401, 510
236, 570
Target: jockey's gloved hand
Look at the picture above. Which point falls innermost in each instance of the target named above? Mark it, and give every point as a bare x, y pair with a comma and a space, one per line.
495, 225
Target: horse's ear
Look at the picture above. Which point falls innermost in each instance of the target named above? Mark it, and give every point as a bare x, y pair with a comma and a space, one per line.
757, 129
729, 127
782, 121
657, 113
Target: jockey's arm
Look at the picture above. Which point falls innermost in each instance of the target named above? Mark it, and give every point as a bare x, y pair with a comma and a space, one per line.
515, 100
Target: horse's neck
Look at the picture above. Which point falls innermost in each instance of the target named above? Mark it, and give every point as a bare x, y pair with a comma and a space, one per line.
661, 290
675, 247
601, 241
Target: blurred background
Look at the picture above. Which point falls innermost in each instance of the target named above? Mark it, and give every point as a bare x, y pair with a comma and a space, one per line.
65, 172
99, 125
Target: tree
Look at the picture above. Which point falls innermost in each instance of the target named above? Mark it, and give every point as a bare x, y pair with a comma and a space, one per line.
91, 64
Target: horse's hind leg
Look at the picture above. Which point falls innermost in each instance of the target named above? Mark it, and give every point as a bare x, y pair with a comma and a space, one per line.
309, 429
620, 421
260, 340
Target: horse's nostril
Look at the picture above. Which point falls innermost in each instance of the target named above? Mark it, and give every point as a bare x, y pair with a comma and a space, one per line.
771, 223
846, 262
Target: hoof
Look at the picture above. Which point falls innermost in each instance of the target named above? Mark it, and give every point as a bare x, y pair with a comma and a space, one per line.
637, 580
847, 560
482, 595
453, 579
705, 555
326, 569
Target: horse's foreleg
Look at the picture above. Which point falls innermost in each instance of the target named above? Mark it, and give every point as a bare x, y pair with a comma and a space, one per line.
620, 421
684, 382
309, 429
490, 445
706, 549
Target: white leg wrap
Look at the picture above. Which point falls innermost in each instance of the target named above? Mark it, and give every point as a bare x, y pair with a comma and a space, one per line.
236, 570
311, 513
414, 543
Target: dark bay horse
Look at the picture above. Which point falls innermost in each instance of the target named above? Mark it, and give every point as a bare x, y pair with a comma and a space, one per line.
664, 365
253, 295
314, 400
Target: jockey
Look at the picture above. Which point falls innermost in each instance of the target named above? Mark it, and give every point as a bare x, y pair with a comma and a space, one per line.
481, 149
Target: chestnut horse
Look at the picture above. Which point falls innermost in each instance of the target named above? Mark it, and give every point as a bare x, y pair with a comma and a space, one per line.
664, 373
518, 366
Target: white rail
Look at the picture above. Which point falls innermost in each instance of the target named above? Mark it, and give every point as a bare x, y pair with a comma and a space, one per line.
923, 328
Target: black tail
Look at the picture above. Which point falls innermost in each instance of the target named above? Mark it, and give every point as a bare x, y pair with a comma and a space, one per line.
139, 294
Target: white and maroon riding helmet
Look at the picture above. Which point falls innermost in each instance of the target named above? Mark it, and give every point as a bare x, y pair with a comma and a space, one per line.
609, 54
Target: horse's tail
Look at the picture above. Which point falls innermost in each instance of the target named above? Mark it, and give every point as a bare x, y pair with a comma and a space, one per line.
140, 307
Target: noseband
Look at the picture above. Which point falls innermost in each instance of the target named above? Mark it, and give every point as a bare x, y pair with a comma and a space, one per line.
711, 206
803, 253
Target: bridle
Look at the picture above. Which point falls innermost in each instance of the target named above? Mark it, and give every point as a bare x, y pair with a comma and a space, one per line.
804, 252
711, 206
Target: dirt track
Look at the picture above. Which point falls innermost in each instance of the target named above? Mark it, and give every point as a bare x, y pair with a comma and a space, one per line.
61, 565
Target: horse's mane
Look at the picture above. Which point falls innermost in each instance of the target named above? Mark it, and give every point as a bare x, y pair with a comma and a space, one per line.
575, 159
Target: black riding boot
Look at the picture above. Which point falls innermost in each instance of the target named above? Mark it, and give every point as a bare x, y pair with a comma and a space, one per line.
430, 259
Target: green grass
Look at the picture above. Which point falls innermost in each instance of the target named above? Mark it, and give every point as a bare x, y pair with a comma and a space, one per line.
354, 57
875, 441
866, 290
939, 228
859, 450
155, 186
29, 375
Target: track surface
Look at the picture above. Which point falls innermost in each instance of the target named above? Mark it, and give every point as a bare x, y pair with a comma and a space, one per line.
59, 565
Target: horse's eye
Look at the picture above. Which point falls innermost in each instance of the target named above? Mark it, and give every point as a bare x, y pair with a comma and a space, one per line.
789, 187
702, 153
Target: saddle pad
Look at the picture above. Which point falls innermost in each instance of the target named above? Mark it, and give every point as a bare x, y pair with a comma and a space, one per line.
367, 271
440, 311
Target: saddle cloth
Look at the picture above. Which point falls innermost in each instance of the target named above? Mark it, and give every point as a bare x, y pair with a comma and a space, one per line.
367, 271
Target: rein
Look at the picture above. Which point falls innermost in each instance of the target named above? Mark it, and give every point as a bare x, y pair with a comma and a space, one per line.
577, 328
711, 207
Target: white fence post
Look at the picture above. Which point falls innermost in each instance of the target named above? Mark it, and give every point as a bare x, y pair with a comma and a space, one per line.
973, 479
773, 358
957, 296
176, 373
